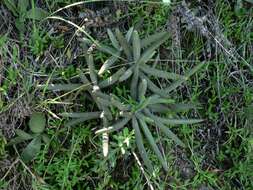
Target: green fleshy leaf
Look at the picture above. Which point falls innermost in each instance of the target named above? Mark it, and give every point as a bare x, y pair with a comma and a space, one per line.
142, 89
136, 46
113, 79
108, 63
126, 75
84, 115
140, 145
37, 122
31, 150
152, 143
159, 73
93, 75
117, 126
153, 38
37, 14
64, 87
113, 39
23, 135
124, 44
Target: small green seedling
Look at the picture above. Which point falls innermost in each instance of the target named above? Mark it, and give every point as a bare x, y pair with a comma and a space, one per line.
37, 124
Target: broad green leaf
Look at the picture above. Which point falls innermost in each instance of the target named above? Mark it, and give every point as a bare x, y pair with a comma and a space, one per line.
16, 140
142, 89
84, 115
112, 79
136, 46
117, 126
108, 63
23, 5
113, 39
23, 135
140, 145
45, 138
159, 73
124, 44
153, 38
31, 150
152, 143
37, 122
37, 14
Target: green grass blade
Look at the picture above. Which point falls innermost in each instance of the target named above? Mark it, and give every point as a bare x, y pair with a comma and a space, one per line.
140, 145
152, 143
124, 44
159, 73
113, 79
117, 126
178, 83
136, 46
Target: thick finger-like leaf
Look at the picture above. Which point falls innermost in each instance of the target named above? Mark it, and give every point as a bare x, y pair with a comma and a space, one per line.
179, 82
140, 145
31, 150
16, 140
117, 126
113, 39
113, 79
129, 34
152, 143
23, 135
136, 46
85, 115
152, 38
124, 44
107, 49
156, 99
126, 75
105, 138
159, 108
64, 87
146, 56
166, 130
134, 83
151, 86
181, 107
108, 63
93, 75
37, 122
159, 73
37, 14
142, 89
177, 121
113, 102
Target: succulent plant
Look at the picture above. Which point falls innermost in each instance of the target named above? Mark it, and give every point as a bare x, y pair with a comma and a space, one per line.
142, 114
150, 104
36, 125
